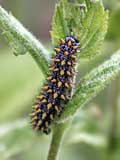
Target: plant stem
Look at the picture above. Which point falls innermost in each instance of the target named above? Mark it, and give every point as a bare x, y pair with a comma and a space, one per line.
22, 41
57, 137
114, 111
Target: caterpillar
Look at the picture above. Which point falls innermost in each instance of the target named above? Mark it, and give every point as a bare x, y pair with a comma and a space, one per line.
49, 103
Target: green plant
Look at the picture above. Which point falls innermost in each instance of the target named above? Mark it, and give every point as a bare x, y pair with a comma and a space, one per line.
89, 24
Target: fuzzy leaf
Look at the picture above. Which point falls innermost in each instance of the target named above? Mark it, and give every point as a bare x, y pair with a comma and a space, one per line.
88, 24
92, 84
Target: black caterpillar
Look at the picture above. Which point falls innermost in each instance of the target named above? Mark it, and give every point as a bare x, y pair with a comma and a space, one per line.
55, 92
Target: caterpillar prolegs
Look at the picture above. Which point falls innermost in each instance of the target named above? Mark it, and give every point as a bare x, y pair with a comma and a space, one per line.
59, 82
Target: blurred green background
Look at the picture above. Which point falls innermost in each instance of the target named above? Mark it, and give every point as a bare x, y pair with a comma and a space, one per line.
95, 132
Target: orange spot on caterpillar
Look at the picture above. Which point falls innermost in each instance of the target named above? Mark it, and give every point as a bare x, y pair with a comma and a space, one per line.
57, 60
63, 97
57, 49
69, 43
44, 100
49, 78
32, 114
63, 63
40, 97
55, 95
57, 109
38, 111
39, 123
46, 123
46, 87
66, 85
68, 73
49, 106
35, 106
49, 91
66, 53
53, 80
44, 115
34, 118
59, 84
73, 56
62, 41
75, 47
62, 72
51, 117
69, 63
56, 69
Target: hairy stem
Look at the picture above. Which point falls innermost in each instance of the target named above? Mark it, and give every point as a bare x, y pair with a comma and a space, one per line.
114, 111
57, 137
22, 41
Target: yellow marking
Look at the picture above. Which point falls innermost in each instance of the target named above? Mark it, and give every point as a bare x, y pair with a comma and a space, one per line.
74, 63
56, 69
46, 123
40, 97
51, 68
63, 62
39, 123
44, 100
53, 80
44, 115
49, 105
56, 108
57, 60
34, 118
63, 97
73, 56
59, 84
38, 111
69, 63
68, 73
74, 73
45, 87
55, 95
32, 114
35, 106
69, 43
66, 85
49, 91
75, 47
51, 117
62, 41
57, 49
49, 78
62, 72
66, 53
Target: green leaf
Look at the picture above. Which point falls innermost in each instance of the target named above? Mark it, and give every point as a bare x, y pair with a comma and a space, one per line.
88, 24
59, 25
92, 84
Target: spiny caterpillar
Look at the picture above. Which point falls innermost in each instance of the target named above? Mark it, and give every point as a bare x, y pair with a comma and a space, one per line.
59, 82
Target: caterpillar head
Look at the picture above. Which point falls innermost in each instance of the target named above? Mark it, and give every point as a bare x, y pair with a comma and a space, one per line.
73, 39
70, 44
